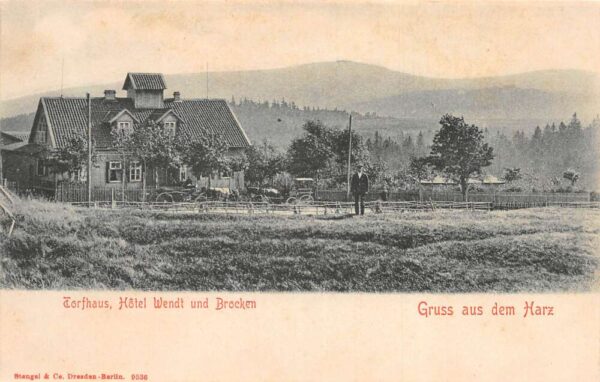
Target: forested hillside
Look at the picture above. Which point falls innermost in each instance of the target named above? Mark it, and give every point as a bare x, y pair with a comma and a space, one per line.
281, 121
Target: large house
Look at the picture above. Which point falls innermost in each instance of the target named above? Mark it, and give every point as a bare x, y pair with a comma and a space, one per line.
59, 119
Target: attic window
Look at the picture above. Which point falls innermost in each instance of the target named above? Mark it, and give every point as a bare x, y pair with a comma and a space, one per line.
170, 127
124, 126
42, 136
42, 129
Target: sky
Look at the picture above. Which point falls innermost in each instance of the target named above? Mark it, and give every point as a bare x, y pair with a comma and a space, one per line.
100, 41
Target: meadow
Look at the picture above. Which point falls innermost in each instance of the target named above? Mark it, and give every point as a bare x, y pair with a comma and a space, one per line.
57, 246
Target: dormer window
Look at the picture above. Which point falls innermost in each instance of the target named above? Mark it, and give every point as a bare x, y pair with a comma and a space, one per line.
124, 125
170, 127
124, 128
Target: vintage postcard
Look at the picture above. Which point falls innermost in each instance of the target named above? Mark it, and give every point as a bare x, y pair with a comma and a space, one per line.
299, 191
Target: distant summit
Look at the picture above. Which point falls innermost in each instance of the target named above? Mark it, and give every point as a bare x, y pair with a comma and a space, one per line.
345, 84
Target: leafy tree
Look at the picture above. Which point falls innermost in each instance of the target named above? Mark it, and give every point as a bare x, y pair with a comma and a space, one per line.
377, 171
73, 156
459, 151
263, 163
205, 154
339, 146
512, 174
237, 163
572, 176
419, 169
311, 153
150, 143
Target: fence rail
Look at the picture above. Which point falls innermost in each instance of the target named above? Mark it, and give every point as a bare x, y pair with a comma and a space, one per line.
77, 193
497, 197
317, 208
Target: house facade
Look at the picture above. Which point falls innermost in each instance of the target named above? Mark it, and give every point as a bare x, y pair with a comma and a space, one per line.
59, 119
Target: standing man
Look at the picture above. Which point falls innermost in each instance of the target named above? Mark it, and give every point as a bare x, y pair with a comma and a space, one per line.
359, 187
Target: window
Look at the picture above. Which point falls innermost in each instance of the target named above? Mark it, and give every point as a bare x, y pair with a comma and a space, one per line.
78, 175
135, 171
42, 169
124, 127
42, 131
182, 173
170, 127
115, 171
42, 136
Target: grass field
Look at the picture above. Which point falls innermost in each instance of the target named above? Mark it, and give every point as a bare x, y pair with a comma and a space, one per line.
56, 246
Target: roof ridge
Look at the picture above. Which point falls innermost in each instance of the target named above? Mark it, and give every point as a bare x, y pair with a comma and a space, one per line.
200, 99
153, 73
62, 97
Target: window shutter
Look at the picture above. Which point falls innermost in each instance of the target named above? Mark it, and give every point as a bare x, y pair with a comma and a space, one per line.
107, 172
126, 171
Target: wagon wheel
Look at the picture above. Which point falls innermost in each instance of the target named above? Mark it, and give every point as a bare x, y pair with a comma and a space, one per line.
177, 196
306, 199
291, 200
164, 197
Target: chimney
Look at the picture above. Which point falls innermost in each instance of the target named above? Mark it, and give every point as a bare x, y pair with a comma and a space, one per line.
176, 97
110, 95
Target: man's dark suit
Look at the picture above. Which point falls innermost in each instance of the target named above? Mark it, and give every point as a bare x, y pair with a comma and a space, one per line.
359, 187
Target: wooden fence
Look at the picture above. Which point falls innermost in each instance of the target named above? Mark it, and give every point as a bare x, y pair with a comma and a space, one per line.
514, 199
316, 208
78, 193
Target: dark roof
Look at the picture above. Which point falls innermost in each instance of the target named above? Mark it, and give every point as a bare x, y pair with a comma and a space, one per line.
28, 148
144, 81
67, 118
13, 146
7, 139
14, 136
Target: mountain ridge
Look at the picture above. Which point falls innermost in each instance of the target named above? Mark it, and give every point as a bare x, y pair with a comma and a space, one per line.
347, 84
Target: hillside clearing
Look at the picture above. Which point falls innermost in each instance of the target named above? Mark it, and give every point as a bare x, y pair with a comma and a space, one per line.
56, 246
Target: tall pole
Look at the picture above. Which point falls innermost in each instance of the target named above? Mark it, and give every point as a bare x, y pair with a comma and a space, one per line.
349, 154
89, 161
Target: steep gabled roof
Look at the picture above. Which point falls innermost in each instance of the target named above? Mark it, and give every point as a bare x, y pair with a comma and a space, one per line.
144, 81
210, 115
67, 118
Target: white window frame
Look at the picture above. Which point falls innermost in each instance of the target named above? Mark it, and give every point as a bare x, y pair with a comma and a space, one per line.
124, 125
170, 127
135, 171
117, 166
77, 175
182, 173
